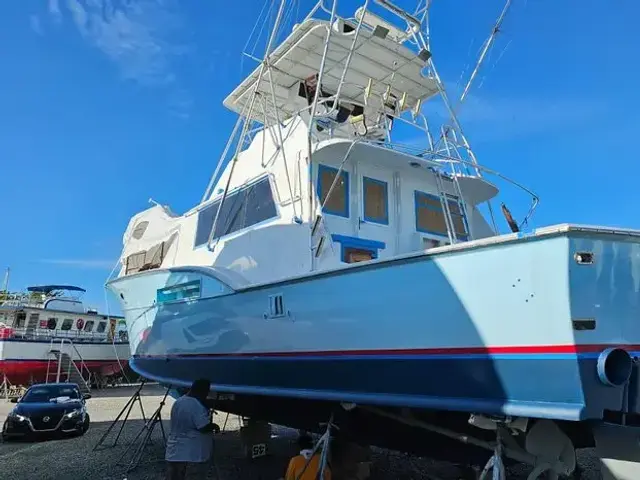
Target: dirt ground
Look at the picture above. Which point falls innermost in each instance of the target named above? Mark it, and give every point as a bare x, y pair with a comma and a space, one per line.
76, 459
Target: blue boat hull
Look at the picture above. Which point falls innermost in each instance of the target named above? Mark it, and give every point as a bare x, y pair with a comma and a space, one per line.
490, 328
464, 384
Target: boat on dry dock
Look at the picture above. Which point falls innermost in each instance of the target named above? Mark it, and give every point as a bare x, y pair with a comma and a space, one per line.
334, 269
47, 334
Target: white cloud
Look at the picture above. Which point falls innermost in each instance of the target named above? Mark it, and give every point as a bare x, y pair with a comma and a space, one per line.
140, 37
82, 263
54, 10
135, 35
34, 23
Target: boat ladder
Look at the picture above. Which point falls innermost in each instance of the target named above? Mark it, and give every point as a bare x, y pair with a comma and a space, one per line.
67, 362
444, 201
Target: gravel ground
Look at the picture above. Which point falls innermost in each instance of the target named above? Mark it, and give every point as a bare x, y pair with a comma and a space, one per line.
75, 459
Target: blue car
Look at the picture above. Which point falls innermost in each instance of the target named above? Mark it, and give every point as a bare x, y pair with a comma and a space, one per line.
47, 409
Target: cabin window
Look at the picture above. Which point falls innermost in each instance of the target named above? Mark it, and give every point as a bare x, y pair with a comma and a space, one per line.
148, 259
430, 217
33, 322
354, 249
52, 323
67, 323
243, 208
21, 319
376, 201
88, 326
354, 255
102, 326
338, 202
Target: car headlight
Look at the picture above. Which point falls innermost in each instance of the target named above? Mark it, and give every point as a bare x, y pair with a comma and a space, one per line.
17, 416
73, 413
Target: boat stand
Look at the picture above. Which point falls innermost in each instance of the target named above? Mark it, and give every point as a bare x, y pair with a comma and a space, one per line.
143, 438
547, 449
495, 464
5, 387
135, 398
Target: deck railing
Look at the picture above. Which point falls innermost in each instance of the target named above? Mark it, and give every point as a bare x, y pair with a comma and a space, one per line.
46, 334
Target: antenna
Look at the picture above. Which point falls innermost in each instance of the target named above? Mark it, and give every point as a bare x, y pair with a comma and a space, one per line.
5, 284
485, 49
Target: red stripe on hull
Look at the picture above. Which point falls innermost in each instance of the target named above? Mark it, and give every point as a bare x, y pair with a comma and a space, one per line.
524, 350
22, 372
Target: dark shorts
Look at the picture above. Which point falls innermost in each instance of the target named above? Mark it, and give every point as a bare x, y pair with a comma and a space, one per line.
178, 470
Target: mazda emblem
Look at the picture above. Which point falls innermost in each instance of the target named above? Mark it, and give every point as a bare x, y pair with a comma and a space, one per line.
45, 419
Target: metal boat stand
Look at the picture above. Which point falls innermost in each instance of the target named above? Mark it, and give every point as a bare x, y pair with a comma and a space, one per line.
5, 387
495, 464
143, 438
324, 443
135, 398
544, 466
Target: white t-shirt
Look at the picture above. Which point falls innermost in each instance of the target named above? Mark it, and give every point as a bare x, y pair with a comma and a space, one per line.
185, 442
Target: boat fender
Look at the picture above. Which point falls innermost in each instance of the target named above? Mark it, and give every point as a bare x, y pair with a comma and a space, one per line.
614, 367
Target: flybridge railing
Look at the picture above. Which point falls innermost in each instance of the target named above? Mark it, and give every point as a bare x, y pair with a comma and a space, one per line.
46, 334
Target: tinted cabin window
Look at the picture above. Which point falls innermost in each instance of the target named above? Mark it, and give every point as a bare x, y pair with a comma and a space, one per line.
354, 255
430, 217
376, 202
88, 326
52, 323
20, 320
102, 326
241, 209
338, 202
67, 324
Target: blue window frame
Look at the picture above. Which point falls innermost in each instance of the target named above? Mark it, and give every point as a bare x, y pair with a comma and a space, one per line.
430, 217
375, 200
242, 208
338, 203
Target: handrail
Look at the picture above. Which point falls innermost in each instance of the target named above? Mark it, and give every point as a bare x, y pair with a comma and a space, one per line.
386, 4
83, 365
42, 333
82, 362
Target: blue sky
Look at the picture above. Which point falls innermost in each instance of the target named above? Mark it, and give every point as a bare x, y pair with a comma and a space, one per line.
104, 104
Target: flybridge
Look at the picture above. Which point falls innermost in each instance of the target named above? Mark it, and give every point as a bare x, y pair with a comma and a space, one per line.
382, 73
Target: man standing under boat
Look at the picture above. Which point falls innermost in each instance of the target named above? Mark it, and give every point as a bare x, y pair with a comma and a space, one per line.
190, 442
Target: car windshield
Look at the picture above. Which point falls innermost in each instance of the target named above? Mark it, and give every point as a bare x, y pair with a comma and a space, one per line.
47, 393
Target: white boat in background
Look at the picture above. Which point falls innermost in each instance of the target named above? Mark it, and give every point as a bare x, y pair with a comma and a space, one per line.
47, 334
